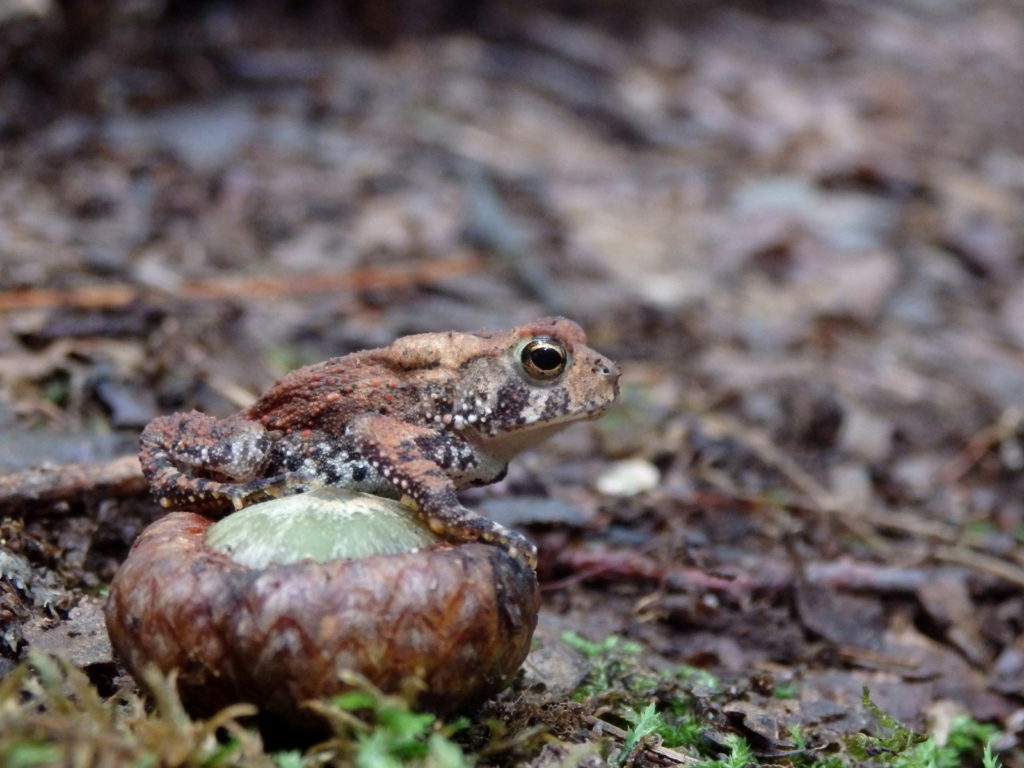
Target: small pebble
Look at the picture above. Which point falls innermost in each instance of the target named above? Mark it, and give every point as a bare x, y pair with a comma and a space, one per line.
851, 484
866, 435
628, 478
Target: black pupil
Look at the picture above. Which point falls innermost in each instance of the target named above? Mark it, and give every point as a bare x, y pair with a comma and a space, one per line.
546, 358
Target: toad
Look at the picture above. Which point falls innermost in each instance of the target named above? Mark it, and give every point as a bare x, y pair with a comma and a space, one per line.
421, 418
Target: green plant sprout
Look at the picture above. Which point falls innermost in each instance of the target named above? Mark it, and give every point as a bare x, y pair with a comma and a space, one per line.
796, 733
603, 647
642, 725
699, 678
614, 667
740, 755
988, 760
786, 690
378, 730
898, 738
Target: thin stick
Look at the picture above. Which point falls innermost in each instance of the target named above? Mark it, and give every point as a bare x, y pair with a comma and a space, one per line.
260, 286
47, 485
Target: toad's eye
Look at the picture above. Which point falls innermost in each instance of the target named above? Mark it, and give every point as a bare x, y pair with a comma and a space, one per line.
544, 358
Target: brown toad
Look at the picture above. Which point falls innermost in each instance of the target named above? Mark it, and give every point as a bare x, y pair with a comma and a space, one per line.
421, 418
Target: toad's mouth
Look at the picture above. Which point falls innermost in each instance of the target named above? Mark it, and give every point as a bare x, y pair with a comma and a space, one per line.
537, 422
512, 439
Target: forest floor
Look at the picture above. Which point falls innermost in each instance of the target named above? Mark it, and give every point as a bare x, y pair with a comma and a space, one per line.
796, 226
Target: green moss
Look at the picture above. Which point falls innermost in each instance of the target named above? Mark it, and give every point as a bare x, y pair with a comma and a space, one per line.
671, 705
967, 743
50, 714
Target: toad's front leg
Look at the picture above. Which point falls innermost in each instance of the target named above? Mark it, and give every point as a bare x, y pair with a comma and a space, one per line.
421, 463
195, 461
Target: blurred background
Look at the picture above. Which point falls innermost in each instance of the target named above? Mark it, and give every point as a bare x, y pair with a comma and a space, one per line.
796, 224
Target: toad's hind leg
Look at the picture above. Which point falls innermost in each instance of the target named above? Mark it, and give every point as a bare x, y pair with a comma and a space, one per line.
195, 461
419, 463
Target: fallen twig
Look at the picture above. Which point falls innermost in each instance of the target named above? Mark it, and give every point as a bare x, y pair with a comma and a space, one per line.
822, 501
1008, 424
981, 561
946, 538
622, 565
772, 575
676, 757
48, 485
253, 286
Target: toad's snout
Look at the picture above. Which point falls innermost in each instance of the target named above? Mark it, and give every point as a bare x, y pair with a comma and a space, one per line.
609, 370
605, 375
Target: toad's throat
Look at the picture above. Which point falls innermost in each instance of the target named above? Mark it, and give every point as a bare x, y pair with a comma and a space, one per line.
508, 443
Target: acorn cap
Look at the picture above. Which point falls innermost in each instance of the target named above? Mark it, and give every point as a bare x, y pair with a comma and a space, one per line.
447, 625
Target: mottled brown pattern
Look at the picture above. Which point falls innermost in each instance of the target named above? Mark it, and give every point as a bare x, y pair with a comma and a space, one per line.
458, 619
428, 415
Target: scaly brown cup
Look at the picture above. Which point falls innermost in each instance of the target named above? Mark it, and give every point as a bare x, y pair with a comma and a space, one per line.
458, 619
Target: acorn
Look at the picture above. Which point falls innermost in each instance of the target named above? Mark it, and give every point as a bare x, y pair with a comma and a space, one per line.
282, 602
